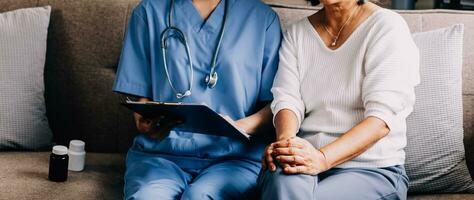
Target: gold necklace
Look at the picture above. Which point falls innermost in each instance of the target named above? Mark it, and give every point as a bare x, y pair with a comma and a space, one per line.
336, 37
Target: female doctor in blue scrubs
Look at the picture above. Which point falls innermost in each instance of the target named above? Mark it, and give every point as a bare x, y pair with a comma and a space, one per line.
223, 53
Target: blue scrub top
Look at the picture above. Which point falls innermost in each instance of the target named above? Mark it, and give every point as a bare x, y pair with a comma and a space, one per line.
246, 64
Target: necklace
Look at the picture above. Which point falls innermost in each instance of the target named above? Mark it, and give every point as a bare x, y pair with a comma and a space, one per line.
336, 37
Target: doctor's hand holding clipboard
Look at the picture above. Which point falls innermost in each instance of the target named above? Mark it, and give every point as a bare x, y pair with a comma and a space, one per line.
157, 119
149, 126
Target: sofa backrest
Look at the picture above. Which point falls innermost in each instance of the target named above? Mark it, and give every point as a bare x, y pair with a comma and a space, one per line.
84, 45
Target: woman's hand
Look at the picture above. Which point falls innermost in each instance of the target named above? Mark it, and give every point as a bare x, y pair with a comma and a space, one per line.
298, 156
267, 159
286, 124
150, 126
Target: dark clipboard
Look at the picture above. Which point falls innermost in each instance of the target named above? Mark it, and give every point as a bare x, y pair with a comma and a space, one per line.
196, 117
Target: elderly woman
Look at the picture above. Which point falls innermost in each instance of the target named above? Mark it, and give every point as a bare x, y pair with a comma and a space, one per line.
342, 93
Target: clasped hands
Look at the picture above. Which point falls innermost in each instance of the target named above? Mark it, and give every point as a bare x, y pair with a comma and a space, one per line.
295, 156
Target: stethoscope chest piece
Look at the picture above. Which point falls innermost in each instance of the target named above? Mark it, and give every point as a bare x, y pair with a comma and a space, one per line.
211, 80
180, 95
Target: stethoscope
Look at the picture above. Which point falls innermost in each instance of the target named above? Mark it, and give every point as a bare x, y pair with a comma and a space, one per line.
212, 77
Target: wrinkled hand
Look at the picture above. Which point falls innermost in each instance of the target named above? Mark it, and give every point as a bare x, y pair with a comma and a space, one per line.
150, 128
267, 159
298, 156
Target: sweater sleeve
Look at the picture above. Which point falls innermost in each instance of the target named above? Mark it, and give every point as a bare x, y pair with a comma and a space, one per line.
391, 73
286, 86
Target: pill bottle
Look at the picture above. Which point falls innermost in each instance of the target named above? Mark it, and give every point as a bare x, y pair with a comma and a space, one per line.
77, 155
58, 163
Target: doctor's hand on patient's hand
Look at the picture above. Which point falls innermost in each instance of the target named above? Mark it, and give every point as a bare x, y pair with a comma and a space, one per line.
268, 158
298, 156
268, 161
150, 128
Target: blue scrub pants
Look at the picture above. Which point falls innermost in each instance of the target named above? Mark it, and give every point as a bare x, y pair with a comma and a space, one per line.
336, 184
168, 177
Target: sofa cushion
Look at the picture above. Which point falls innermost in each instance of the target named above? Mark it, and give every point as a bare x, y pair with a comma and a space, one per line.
435, 151
23, 122
25, 176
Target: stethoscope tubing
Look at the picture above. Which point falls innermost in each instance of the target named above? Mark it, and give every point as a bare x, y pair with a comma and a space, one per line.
211, 78
182, 38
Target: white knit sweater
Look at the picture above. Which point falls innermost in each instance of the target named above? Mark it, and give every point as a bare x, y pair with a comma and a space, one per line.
372, 74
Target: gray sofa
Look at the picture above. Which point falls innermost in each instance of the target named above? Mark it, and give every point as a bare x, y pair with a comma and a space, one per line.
83, 49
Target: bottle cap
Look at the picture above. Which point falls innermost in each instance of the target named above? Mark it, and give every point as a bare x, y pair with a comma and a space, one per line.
60, 150
76, 145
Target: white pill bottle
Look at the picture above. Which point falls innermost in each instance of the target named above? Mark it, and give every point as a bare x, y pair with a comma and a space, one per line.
77, 155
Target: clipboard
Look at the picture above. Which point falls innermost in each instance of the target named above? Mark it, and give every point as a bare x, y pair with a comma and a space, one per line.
196, 118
